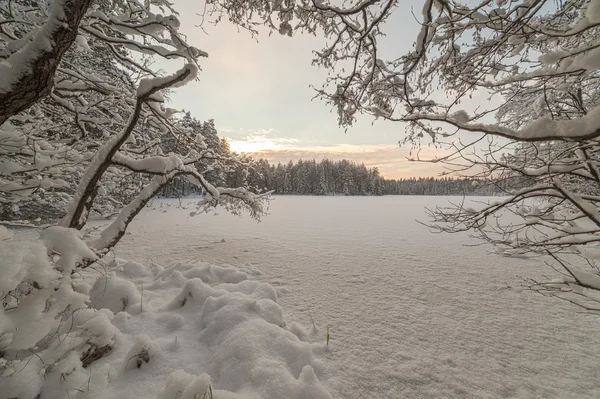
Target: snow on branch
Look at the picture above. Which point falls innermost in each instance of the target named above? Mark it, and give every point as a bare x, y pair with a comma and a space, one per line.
214, 197
88, 184
180, 78
157, 165
27, 74
546, 128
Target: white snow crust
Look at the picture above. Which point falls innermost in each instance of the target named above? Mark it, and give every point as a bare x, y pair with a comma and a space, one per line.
410, 314
330, 297
198, 325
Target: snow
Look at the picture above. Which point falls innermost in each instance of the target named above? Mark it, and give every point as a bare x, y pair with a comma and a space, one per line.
578, 127
156, 164
410, 314
216, 327
19, 63
109, 234
114, 293
543, 128
5, 234
586, 278
67, 243
134, 269
180, 78
82, 43
186, 329
593, 12
222, 304
109, 148
23, 260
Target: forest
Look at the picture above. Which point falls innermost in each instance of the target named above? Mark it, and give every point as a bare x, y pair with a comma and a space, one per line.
328, 177
304, 177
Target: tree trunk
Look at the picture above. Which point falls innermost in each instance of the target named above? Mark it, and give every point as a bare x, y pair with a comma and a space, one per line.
37, 62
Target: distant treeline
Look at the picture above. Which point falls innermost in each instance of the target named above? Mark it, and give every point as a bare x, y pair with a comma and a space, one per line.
329, 177
344, 177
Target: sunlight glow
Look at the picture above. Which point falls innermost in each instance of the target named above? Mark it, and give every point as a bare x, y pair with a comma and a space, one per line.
259, 143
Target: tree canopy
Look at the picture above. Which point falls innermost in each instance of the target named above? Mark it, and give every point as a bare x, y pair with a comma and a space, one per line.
510, 88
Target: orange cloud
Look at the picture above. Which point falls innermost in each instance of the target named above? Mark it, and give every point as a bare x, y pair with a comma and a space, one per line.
389, 158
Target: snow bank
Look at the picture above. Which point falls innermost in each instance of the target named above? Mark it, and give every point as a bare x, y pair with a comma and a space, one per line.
114, 293
24, 260
179, 332
199, 328
120, 329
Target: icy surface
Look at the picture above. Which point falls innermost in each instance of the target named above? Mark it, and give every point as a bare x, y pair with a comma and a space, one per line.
410, 314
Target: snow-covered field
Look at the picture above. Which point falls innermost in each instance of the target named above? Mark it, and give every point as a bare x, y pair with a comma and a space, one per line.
410, 314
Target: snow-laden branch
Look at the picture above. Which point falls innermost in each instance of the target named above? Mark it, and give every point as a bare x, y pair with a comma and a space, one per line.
585, 279
359, 7
214, 197
151, 49
85, 193
111, 235
586, 127
27, 74
156, 165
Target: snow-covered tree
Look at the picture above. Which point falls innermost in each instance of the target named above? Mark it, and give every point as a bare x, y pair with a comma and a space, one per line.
84, 122
508, 87
103, 134
529, 64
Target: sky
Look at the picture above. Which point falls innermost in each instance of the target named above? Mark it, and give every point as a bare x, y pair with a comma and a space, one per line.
259, 94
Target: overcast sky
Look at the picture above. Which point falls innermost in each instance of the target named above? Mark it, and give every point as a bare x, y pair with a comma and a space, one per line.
258, 93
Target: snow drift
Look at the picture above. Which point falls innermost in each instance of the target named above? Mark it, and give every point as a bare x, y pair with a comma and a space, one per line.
184, 331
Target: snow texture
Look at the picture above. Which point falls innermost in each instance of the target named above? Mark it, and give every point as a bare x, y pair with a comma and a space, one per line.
201, 325
5, 234
179, 331
114, 293
19, 63
407, 315
66, 242
23, 260
410, 314
185, 74
36, 295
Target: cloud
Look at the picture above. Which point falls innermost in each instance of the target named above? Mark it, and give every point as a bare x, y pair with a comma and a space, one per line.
260, 142
389, 158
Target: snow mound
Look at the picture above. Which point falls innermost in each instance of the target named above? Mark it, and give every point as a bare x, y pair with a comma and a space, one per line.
135, 270
114, 293
67, 242
141, 352
186, 386
200, 329
210, 274
22, 261
186, 331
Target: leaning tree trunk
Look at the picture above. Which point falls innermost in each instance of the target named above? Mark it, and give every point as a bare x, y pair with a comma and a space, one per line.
28, 74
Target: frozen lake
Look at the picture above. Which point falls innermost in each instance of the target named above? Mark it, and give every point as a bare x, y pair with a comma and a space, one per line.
411, 314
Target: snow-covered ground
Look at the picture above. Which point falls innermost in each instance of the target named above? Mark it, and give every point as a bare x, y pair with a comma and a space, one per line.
190, 330
410, 314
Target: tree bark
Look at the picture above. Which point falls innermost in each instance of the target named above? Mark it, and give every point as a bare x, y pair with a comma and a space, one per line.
37, 77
